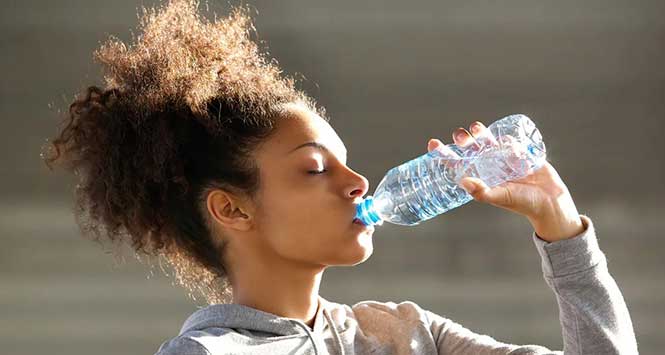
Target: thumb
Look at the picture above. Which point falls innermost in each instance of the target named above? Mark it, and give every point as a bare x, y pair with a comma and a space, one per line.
481, 192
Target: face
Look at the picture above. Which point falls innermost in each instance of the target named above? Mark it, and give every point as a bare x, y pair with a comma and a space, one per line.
308, 195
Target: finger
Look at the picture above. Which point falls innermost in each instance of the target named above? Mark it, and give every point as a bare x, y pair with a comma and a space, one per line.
498, 196
438, 146
463, 138
433, 144
482, 134
465, 143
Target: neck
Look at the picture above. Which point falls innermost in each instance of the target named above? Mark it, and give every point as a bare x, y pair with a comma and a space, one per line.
280, 288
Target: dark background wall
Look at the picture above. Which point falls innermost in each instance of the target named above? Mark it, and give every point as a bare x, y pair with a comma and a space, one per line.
391, 74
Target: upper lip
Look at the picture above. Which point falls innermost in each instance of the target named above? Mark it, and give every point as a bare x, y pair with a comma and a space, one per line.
355, 212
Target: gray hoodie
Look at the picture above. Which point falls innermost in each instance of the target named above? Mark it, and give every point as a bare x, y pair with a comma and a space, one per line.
592, 311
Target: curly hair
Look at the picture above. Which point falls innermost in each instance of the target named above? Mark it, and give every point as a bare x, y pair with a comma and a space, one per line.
184, 106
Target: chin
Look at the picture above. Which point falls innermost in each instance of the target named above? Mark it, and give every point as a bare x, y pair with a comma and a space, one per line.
360, 252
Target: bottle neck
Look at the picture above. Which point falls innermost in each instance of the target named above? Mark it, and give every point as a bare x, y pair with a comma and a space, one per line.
366, 213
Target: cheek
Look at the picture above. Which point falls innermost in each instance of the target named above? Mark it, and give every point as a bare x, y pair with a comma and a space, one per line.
292, 223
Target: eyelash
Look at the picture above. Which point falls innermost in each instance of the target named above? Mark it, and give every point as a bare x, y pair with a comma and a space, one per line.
317, 172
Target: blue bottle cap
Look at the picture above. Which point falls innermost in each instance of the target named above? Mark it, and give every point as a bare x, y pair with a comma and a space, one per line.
365, 212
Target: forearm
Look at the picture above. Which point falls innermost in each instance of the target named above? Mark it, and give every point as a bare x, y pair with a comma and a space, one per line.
592, 311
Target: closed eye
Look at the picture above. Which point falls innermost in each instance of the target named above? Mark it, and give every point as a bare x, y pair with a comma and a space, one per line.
317, 172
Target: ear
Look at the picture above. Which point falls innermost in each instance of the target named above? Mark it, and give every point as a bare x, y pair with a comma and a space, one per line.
229, 210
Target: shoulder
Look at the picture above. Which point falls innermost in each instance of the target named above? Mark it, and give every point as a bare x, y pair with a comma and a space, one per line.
182, 345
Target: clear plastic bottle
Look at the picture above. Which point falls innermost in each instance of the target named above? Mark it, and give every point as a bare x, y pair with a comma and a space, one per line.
428, 185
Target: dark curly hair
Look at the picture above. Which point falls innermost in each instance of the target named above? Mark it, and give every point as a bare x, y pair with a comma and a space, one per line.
184, 106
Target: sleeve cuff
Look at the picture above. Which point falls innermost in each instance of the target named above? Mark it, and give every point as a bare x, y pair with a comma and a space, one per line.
568, 256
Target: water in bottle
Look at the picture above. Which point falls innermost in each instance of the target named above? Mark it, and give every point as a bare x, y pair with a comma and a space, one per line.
428, 185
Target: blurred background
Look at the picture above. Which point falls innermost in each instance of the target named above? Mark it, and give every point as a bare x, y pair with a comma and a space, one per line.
392, 74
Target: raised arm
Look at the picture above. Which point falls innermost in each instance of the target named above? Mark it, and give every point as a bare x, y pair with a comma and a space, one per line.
593, 315
592, 311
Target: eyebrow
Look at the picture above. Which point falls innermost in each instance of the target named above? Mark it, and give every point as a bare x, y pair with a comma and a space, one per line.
316, 145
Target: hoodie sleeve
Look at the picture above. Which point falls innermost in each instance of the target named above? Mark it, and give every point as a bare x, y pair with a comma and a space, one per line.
592, 312
182, 346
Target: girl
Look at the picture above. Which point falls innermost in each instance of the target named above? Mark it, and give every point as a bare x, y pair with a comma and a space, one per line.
199, 151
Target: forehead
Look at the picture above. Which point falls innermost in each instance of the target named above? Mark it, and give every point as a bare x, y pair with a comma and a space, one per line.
301, 125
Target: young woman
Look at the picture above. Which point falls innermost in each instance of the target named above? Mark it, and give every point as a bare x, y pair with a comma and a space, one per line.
197, 150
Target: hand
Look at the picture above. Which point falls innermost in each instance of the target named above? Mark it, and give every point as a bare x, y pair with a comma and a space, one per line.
542, 196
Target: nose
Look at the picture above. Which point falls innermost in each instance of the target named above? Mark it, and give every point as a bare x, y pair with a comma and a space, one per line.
358, 186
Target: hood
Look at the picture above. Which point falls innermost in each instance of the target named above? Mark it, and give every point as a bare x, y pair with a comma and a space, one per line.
248, 319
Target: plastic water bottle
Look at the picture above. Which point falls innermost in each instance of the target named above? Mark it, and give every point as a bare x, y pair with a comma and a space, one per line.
428, 185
